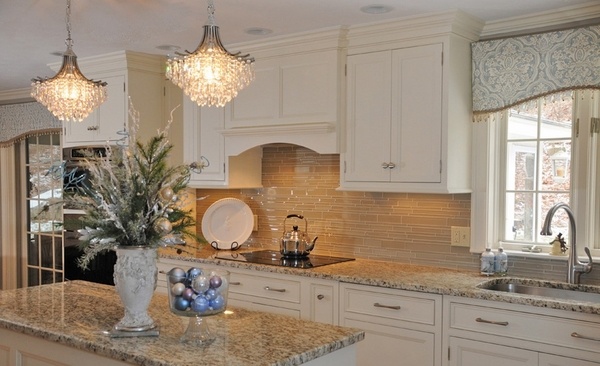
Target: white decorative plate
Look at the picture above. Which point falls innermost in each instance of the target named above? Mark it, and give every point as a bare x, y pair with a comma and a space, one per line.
227, 223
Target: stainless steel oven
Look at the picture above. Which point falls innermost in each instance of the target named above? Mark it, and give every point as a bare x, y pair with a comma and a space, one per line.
75, 174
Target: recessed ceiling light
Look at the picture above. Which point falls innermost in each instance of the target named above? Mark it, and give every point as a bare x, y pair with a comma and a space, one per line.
376, 9
257, 31
168, 47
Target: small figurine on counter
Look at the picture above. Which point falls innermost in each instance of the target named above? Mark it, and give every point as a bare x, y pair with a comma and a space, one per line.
559, 246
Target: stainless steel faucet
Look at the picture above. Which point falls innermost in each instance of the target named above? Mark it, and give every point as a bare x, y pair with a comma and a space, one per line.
576, 268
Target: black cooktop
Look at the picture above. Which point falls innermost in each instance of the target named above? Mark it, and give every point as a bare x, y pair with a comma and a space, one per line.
274, 258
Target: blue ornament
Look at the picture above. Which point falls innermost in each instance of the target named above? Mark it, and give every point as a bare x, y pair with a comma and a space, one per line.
217, 303
211, 294
193, 272
177, 275
181, 304
200, 304
215, 281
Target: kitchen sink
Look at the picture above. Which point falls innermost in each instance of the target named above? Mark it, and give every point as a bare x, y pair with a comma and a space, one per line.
555, 290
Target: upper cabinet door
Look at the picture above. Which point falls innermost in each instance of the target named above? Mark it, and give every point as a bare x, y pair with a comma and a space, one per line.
394, 118
103, 123
368, 117
416, 127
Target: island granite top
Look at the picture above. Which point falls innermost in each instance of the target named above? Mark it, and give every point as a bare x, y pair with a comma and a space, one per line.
429, 279
77, 313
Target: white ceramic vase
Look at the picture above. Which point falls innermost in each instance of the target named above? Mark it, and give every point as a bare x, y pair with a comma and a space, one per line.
135, 282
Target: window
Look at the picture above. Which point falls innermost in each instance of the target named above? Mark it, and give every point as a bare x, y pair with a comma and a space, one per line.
44, 254
541, 155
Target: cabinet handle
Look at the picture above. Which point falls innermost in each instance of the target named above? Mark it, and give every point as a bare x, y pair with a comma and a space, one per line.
577, 335
385, 165
391, 165
378, 305
92, 128
274, 289
320, 296
235, 283
479, 320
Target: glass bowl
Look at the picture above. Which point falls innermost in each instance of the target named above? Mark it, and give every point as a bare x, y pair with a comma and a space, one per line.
197, 293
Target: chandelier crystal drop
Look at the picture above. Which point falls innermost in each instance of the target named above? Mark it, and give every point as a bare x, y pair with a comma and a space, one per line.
210, 76
69, 95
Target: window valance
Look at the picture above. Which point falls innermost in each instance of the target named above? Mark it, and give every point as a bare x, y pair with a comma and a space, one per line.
511, 71
19, 121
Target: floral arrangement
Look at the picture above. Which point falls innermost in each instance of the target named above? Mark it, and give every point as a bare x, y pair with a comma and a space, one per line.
134, 198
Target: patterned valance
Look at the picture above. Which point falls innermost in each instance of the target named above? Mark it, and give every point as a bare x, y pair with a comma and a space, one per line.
19, 121
510, 71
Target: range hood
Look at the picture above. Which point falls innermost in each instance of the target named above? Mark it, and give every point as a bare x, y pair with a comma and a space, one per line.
320, 137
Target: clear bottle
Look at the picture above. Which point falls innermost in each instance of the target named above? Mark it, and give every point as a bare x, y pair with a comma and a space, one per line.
501, 265
487, 262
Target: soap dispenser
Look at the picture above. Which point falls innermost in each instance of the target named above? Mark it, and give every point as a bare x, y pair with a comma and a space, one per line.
487, 262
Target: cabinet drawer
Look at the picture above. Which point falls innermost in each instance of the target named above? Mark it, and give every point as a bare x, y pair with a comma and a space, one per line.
265, 287
549, 329
378, 305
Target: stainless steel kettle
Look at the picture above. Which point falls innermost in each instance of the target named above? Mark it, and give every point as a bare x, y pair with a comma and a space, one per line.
296, 243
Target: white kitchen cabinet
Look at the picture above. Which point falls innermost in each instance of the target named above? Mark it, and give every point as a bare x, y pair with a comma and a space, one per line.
554, 360
496, 333
466, 352
129, 75
203, 142
401, 327
394, 123
408, 108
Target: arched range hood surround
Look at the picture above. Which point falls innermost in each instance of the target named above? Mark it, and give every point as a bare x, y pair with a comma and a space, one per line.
319, 137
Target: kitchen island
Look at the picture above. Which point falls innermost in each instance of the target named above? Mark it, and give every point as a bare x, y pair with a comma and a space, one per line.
66, 323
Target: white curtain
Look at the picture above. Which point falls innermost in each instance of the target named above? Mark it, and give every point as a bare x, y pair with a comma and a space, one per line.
511, 71
17, 122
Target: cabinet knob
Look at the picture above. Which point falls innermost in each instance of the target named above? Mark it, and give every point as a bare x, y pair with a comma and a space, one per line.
385, 165
92, 128
391, 165
320, 296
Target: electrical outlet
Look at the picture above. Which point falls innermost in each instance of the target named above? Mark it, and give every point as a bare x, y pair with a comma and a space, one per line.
255, 227
460, 236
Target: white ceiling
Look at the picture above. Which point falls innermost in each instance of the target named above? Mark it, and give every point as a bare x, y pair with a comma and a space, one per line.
32, 32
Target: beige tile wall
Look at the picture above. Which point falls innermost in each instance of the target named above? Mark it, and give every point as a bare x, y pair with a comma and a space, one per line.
409, 228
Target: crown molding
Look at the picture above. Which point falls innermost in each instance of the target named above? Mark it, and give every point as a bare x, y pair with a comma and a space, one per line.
562, 18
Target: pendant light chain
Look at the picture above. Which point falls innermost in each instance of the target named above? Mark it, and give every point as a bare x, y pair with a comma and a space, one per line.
69, 95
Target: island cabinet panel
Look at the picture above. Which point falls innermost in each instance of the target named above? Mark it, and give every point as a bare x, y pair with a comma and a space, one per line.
497, 333
17, 349
130, 76
401, 327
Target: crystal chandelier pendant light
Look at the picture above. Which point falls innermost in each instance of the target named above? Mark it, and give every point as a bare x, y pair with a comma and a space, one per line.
69, 95
211, 76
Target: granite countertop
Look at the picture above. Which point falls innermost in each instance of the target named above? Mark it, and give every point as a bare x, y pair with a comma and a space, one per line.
76, 313
409, 277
